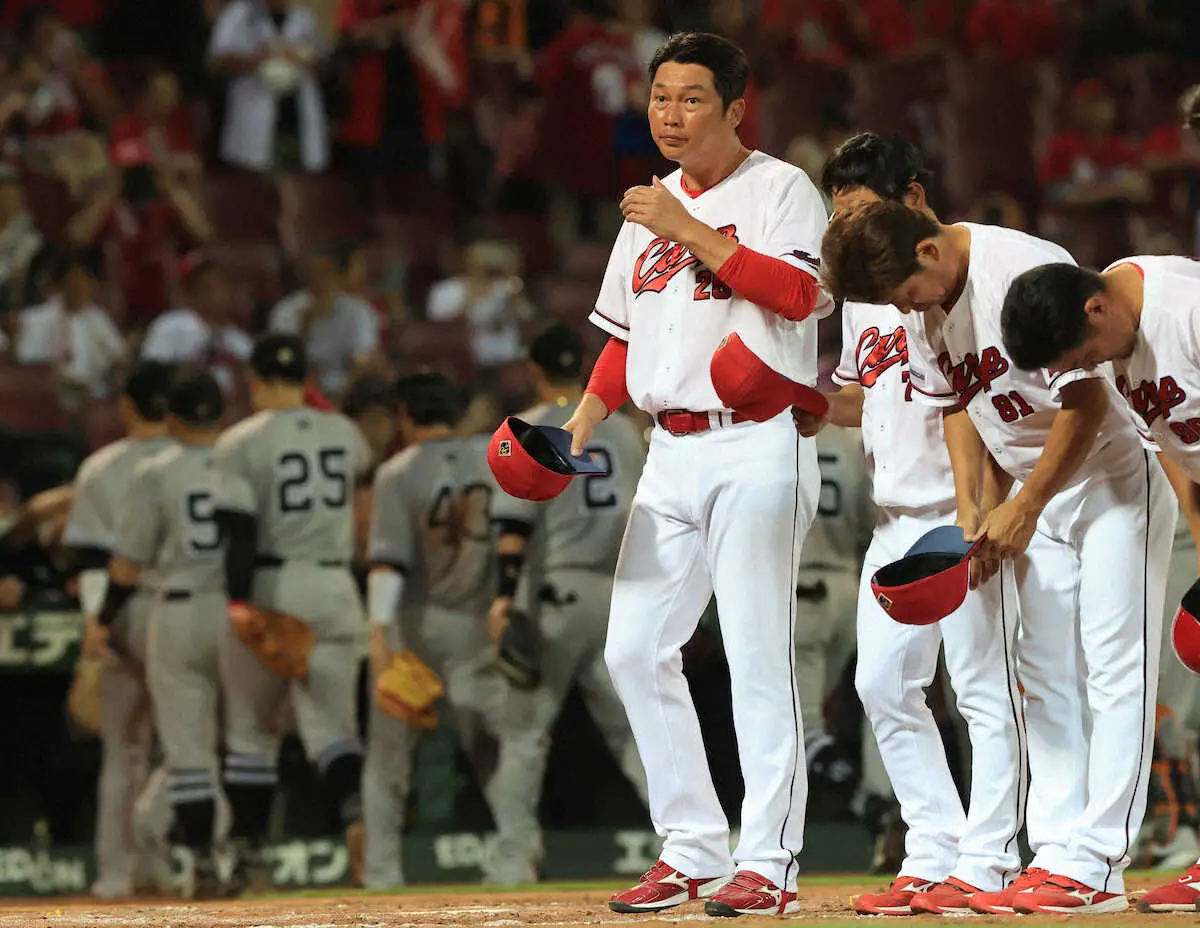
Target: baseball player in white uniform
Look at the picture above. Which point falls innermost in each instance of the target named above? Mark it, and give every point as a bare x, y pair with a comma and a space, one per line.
724, 244
1143, 315
287, 512
101, 494
1093, 509
951, 853
556, 562
173, 531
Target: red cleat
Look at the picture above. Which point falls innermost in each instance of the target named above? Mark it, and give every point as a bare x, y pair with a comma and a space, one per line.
750, 893
952, 897
662, 887
1061, 895
1001, 903
1180, 895
897, 900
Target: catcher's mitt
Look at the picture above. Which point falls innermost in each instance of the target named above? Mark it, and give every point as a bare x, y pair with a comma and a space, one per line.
279, 640
408, 689
519, 651
84, 701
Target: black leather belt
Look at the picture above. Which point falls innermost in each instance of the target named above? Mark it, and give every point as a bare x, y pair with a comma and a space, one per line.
176, 596
270, 560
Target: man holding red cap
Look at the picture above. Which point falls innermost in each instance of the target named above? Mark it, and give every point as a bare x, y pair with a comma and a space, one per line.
723, 245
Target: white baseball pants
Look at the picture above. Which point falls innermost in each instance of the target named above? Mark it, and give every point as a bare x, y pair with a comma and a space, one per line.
723, 511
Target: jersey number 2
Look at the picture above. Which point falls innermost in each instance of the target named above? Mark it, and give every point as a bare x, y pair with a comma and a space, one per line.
597, 491
296, 492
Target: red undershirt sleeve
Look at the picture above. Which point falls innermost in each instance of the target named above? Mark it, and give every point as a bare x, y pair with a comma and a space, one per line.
608, 376
773, 284
315, 398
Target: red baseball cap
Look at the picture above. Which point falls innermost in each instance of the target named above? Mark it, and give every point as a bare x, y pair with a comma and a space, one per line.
748, 386
534, 462
930, 581
1185, 631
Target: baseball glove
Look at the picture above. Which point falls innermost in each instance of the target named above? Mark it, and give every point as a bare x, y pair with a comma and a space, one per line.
279, 640
408, 689
519, 651
84, 701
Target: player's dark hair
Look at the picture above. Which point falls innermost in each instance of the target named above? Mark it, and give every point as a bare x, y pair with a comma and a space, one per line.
730, 69
430, 399
870, 251
1189, 106
366, 392
885, 164
279, 356
196, 397
1044, 313
148, 386
558, 353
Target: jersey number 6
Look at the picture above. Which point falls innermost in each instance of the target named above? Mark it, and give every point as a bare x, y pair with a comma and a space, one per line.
296, 490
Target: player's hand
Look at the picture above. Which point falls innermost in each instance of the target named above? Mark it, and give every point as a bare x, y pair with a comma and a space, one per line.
498, 617
807, 424
657, 209
95, 639
590, 412
1009, 528
380, 653
984, 563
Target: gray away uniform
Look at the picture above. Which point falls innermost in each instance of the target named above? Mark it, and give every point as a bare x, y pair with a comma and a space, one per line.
102, 488
567, 585
173, 531
430, 519
296, 470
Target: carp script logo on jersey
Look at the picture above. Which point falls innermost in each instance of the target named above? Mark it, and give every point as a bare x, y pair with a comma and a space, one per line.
877, 352
974, 372
662, 260
1151, 400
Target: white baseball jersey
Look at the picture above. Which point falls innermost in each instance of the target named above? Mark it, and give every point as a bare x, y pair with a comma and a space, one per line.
674, 311
958, 356
906, 451
1161, 379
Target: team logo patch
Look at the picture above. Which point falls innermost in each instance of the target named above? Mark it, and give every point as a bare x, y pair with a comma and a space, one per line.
506, 449
885, 602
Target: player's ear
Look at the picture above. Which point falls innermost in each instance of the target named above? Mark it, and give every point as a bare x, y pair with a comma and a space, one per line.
736, 112
1095, 306
928, 251
914, 197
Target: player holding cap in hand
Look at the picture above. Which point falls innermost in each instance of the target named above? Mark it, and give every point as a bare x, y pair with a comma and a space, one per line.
725, 244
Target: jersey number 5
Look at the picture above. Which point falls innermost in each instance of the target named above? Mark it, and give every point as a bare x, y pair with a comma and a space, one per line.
204, 536
301, 471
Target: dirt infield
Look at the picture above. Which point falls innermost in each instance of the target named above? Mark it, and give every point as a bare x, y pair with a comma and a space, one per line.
825, 902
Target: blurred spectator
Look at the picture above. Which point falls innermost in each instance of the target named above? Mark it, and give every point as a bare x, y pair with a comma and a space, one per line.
371, 402
489, 297
274, 114
145, 219
1016, 30
381, 128
340, 329
1090, 164
999, 209
810, 151
19, 240
153, 30
585, 75
813, 30
881, 27
636, 20
71, 332
160, 124
201, 332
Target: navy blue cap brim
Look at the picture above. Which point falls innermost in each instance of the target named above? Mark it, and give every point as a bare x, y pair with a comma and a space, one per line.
945, 539
560, 440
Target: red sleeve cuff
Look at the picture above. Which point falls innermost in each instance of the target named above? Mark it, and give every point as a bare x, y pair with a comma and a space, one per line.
315, 398
773, 284
608, 376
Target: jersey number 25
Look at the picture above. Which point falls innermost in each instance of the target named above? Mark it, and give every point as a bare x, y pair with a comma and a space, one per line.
313, 475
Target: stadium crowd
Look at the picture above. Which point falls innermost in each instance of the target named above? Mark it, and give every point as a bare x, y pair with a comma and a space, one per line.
421, 185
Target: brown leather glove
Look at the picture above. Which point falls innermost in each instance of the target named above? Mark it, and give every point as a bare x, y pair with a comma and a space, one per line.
279, 640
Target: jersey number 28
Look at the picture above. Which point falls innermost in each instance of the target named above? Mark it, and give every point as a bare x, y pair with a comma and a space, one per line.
310, 476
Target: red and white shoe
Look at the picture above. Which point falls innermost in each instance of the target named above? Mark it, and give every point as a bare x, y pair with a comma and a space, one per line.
1001, 903
661, 887
750, 893
1181, 895
952, 897
1061, 895
897, 900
